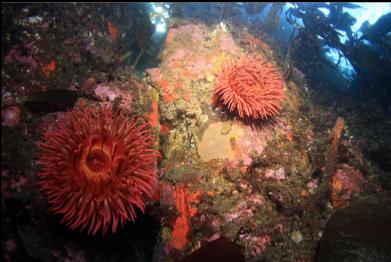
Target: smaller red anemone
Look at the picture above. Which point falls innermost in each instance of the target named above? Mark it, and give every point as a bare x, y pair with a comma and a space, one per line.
250, 87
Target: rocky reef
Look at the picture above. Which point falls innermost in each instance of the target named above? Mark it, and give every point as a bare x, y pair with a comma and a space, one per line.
268, 185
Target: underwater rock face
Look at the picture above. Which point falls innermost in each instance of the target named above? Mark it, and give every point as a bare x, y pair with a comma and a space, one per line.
231, 141
97, 168
360, 232
215, 145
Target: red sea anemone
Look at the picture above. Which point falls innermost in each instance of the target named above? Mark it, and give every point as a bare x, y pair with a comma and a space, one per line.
98, 165
250, 87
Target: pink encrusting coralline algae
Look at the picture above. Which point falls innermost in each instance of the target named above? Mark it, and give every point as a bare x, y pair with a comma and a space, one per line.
244, 209
278, 174
346, 182
10, 116
23, 54
111, 91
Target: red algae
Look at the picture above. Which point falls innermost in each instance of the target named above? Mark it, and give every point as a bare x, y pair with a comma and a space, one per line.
182, 223
185, 202
113, 31
154, 116
49, 68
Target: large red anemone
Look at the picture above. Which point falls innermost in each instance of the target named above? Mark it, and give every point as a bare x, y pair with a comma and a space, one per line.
97, 168
250, 87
